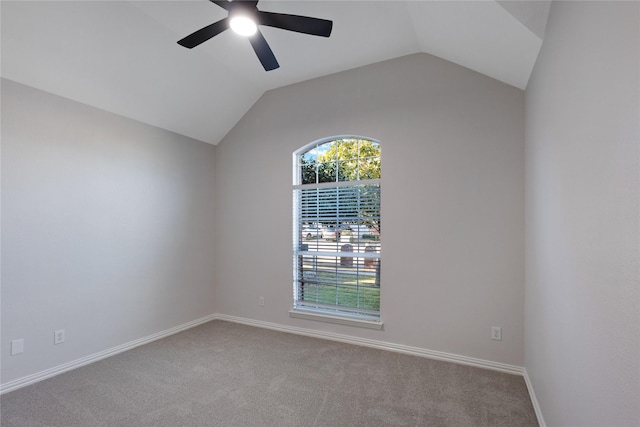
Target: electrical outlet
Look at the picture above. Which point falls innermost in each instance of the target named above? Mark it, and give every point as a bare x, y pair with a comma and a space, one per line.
58, 337
17, 346
261, 302
496, 333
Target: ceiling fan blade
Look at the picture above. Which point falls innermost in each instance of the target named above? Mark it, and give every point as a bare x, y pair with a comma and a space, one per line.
225, 4
262, 49
204, 34
300, 24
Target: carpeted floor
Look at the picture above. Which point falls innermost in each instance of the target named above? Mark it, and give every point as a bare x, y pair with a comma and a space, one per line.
226, 374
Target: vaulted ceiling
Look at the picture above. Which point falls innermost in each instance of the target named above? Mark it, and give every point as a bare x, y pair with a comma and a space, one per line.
122, 56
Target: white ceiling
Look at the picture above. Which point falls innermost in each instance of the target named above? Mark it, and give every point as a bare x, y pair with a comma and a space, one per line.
122, 56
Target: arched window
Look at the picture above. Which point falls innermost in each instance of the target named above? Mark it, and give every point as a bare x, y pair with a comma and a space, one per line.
337, 229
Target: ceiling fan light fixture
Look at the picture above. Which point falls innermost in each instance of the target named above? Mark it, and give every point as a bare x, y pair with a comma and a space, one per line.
244, 18
243, 25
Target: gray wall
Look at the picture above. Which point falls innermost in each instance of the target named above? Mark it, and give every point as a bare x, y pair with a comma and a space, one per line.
452, 204
107, 229
582, 216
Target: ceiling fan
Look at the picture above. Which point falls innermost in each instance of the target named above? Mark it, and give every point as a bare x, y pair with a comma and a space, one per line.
244, 18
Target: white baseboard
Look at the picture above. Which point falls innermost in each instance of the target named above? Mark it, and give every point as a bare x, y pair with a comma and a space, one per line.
48, 373
534, 399
398, 348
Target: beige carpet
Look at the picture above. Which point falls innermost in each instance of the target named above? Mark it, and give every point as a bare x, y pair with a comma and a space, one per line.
226, 374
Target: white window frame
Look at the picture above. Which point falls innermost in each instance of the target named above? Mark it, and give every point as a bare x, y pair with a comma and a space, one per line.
300, 310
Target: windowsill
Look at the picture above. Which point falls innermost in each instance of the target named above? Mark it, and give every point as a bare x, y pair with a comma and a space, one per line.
330, 318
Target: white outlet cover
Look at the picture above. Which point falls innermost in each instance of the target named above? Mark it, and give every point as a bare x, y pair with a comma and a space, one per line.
17, 346
58, 336
496, 333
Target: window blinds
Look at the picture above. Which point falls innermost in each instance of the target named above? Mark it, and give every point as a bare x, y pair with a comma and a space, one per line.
337, 270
